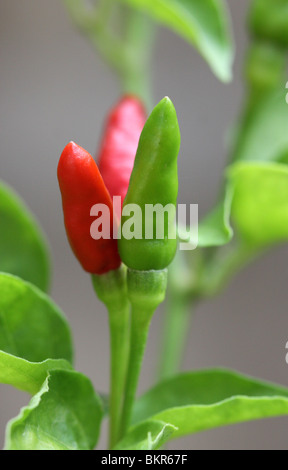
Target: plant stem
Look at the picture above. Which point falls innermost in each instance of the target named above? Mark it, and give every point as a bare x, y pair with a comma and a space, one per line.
182, 280
140, 322
127, 54
206, 280
104, 10
223, 266
111, 289
119, 347
176, 329
140, 37
146, 290
96, 26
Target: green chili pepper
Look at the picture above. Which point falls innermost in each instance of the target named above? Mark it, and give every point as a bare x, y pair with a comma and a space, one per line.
152, 246
153, 188
269, 20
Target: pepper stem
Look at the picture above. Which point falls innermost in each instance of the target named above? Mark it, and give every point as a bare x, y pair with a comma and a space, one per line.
146, 291
111, 290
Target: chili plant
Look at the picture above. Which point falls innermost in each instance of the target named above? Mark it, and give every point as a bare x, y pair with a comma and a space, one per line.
132, 275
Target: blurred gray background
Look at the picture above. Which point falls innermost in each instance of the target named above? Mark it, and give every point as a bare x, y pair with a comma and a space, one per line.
53, 89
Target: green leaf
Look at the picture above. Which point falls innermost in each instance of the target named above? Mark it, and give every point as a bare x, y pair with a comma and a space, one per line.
31, 325
23, 248
254, 206
263, 135
268, 20
65, 415
260, 202
263, 139
202, 23
150, 435
202, 400
27, 376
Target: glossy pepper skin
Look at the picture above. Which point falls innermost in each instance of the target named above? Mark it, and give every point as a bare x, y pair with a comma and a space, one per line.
154, 180
119, 144
81, 187
269, 20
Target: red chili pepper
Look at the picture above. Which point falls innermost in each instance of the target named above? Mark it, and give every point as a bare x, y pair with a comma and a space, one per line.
81, 187
119, 144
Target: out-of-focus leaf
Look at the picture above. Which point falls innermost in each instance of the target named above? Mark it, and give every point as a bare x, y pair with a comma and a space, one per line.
268, 20
260, 202
203, 23
263, 135
23, 248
